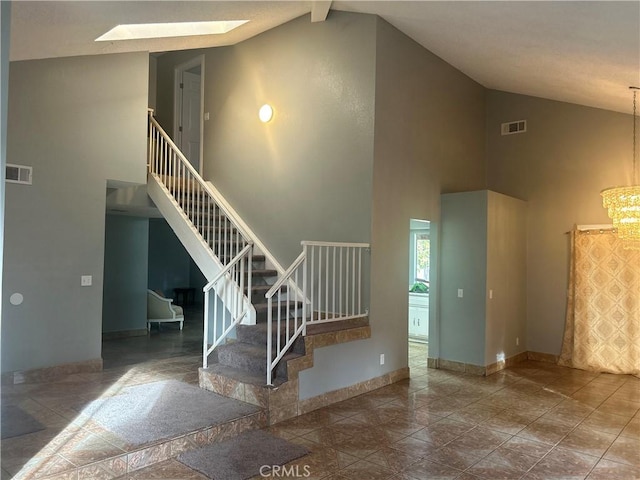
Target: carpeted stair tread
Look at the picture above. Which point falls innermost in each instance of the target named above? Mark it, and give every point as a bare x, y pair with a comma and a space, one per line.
258, 291
264, 306
254, 259
148, 413
251, 358
257, 335
262, 309
244, 356
263, 272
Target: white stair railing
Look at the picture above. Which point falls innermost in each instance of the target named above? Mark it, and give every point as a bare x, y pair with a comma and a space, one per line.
233, 308
216, 227
331, 279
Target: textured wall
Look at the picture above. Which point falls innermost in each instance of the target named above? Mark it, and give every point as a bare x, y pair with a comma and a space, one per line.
463, 263
169, 262
429, 139
306, 175
78, 122
559, 166
124, 304
506, 276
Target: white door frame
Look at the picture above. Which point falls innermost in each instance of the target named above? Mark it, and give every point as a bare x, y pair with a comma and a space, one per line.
177, 100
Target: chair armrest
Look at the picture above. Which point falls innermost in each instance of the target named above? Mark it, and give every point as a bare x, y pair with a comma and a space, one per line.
159, 307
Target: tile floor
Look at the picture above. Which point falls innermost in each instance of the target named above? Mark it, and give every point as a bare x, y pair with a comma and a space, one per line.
69, 440
534, 421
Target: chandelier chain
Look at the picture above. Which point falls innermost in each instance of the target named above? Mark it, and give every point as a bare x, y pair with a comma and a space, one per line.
635, 155
623, 203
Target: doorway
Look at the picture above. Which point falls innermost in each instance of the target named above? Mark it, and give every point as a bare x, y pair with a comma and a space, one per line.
419, 288
189, 110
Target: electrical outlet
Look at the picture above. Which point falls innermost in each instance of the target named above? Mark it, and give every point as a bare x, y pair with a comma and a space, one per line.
490, 294
86, 280
382, 359
517, 341
460, 293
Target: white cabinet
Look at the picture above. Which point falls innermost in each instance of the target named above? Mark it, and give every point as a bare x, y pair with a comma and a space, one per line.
419, 316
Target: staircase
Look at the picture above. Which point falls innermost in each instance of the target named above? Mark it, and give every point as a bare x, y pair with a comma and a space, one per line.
256, 313
245, 356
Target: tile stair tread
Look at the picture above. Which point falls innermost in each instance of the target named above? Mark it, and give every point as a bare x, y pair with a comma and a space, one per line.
327, 327
240, 375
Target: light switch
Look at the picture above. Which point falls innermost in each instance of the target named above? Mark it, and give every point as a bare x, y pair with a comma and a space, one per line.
460, 292
86, 280
206, 115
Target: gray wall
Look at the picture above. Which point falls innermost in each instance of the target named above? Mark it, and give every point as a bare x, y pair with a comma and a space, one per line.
197, 280
169, 262
124, 304
5, 37
78, 121
153, 79
483, 248
506, 275
306, 175
559, 166
463, 265
429, 139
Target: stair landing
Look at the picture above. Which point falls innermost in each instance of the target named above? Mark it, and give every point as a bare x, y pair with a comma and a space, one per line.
281, 401
72, 445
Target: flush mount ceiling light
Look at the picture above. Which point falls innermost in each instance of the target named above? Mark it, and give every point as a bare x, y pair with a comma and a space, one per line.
265, 113
624, 202
135, 31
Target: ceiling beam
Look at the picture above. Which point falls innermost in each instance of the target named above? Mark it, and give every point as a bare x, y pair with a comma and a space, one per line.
320, 10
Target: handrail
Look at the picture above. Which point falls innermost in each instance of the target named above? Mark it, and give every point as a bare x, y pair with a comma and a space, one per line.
226, 269
283, 278
337, 268
216, 226
334, 244
193, 172
234, 309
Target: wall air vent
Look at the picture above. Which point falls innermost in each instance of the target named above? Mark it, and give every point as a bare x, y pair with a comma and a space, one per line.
18, 174
510, 128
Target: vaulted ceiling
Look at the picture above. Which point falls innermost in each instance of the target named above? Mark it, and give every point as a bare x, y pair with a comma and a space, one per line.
584, 52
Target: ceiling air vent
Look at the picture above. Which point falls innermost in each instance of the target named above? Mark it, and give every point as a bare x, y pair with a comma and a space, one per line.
18, 174
510, 128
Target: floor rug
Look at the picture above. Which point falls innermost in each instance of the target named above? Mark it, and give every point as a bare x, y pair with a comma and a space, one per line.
161, 410
15, 422
248, 455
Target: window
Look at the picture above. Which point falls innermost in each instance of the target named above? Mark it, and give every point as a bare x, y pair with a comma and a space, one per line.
422, 247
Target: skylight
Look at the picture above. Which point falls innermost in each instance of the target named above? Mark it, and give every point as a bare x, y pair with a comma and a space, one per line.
162, 30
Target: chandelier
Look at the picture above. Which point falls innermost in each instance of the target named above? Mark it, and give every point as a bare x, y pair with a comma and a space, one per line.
623, 203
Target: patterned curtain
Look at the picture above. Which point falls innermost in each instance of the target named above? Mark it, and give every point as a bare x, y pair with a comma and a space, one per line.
602, 331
